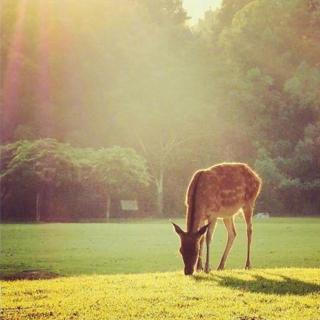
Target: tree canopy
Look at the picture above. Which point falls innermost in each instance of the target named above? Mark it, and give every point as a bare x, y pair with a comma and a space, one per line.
45, 170
240, 85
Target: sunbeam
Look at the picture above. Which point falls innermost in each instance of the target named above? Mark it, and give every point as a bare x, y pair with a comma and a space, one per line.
44, 113
12, 73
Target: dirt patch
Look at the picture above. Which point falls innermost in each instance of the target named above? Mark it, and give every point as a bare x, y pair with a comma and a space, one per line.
31, 275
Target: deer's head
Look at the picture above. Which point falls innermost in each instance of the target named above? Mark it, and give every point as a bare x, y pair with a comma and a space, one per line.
190, 247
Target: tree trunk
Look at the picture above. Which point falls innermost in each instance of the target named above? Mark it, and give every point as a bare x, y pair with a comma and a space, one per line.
108, 205
159, 187
38, 204
4, 192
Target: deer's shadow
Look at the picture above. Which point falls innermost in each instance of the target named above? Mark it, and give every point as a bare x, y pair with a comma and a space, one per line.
259, 284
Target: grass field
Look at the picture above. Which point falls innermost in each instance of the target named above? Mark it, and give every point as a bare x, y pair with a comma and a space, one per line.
133, 271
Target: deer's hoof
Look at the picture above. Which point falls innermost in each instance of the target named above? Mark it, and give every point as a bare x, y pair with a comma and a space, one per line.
207, 269
199, 267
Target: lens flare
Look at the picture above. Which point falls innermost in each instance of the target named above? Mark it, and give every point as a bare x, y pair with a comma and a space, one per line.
12, 74
43, 86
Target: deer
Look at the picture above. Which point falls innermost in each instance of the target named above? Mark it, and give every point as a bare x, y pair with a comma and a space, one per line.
218, 192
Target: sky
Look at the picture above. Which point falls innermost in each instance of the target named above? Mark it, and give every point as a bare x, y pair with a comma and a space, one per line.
196, 8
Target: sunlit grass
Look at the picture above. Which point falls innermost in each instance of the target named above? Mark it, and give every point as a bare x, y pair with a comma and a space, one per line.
260, 294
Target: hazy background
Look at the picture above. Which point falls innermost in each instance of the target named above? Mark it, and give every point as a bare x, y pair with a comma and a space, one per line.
106, 100
196, 9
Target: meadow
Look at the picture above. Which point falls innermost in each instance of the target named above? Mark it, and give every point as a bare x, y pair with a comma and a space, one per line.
132, 270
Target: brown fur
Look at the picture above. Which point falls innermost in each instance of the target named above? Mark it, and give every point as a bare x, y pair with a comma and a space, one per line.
221, 186
217, 192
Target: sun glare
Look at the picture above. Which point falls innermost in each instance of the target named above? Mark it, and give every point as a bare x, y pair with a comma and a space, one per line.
12, 73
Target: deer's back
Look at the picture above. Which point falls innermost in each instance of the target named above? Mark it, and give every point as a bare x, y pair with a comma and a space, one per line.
227, 185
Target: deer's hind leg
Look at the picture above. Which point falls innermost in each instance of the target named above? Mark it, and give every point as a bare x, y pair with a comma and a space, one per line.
229, 224
248, 213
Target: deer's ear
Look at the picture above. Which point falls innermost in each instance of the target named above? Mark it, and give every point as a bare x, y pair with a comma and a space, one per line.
202, 230
179, 231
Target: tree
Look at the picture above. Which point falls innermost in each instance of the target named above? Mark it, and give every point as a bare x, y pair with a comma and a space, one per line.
47, 168
41, 166
113, 172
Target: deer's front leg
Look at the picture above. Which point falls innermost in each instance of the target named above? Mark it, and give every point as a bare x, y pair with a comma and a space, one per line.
199, 263
209, 234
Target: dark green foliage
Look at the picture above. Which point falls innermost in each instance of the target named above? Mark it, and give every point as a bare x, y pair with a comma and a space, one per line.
271, 49
241, 85
48, 180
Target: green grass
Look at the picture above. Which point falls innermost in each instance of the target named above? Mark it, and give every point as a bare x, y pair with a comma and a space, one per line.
133, 271
74, 249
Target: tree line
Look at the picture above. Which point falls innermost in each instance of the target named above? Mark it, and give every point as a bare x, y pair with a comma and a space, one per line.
240, 85
44, 180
